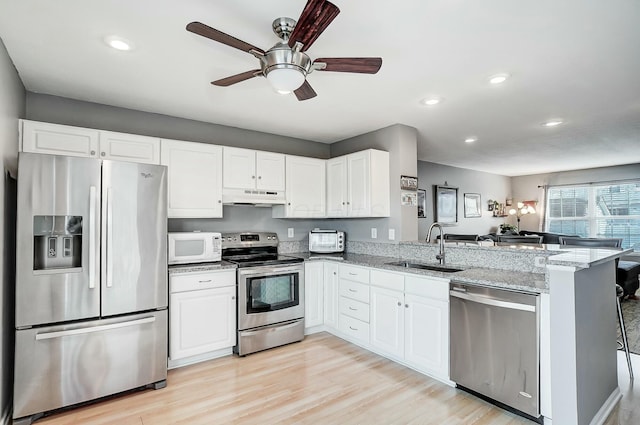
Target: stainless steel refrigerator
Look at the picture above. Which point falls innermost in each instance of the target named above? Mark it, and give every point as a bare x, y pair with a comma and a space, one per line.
91, 281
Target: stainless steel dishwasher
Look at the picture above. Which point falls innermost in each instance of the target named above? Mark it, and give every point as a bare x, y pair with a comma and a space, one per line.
494, 348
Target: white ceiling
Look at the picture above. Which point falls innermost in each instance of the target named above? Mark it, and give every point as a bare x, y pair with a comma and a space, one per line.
574, 59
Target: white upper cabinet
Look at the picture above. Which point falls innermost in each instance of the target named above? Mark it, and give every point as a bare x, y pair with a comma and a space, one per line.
270, 169
337, 191
358, 185
249, 169
194, 179
129, 147
56, 139
306, 188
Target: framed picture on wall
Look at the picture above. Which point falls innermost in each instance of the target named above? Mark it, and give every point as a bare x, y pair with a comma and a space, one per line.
422, 203
446, 204
472, 205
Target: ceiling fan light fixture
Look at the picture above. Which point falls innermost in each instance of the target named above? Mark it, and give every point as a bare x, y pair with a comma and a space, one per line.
285, 79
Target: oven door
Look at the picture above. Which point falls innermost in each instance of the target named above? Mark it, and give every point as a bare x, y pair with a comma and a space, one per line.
268, 295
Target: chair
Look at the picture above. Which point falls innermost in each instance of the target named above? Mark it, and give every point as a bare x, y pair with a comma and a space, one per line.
520, 239
591, 242
459, 237
606, 243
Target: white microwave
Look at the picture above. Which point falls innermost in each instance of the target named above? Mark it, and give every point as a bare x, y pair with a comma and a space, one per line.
194, 247
326, 241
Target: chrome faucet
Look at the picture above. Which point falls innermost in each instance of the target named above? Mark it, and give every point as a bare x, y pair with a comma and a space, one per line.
440, 256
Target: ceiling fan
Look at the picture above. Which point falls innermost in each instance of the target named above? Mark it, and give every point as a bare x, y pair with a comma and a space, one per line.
286, 65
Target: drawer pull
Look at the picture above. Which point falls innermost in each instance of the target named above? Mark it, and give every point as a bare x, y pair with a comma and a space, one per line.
353, 274
353, 290
399, 304
352, 328
204, 281
353, 309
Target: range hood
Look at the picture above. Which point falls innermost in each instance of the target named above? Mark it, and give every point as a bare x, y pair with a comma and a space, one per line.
252, 197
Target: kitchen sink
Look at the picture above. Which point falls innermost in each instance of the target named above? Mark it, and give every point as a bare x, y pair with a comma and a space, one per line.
421, 266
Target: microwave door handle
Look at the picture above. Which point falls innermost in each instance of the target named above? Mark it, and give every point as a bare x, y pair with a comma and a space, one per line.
109, 239
92, 237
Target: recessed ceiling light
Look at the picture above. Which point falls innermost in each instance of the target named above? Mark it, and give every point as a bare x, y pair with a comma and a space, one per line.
118, 43
553, 123
498, 78
471, 139
430, 101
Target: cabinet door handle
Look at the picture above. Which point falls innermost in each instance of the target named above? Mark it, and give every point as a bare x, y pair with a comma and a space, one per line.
399, 304
233, 297
406, 305
219, 201
93, 152
253, 177
353, 309
102, 154
259, 177
352, 328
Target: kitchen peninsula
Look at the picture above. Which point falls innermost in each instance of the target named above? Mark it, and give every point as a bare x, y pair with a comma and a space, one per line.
578, 378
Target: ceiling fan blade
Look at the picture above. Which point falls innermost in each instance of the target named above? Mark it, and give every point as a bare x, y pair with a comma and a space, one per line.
226, 82
315, 18
305, 92
360, 65
212, 33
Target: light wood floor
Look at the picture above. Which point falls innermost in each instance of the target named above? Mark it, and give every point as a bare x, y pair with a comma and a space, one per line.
321, 380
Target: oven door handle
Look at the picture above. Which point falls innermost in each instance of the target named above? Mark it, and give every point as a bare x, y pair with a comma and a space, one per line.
261, 270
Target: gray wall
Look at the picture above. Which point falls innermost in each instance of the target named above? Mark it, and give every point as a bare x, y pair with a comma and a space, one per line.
401, 143
248, 218
60, 110
12, 106
526, 187
489, 186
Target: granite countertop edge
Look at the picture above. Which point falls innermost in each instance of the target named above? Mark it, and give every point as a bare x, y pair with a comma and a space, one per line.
496, 278
203, 267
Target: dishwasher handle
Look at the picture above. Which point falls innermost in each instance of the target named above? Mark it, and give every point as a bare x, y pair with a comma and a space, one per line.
492, 301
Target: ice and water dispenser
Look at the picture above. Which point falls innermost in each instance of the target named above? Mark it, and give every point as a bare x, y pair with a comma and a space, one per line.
57, 242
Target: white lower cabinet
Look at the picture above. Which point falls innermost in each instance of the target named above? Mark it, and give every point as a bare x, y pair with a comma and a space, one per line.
353, 303
410, 320
426, 335
331, 295
313, 294
202, 315
387, 321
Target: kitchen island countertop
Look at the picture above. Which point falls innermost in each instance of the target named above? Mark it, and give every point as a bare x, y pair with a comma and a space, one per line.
520, 281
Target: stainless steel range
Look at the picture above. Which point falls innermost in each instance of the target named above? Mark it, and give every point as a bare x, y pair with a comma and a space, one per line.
270, 291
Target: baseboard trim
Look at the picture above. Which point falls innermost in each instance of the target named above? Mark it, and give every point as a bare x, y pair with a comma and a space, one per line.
605, 410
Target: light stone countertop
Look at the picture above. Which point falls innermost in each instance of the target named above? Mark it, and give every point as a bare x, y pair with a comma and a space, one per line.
585, 257
203, 267
519, 281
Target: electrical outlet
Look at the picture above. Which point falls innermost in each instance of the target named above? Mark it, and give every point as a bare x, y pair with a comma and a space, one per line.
290, 232
374, 233
540, 261
392, 234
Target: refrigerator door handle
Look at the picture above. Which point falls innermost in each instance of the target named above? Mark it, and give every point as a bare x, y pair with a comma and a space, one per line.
100, 328
109, 239
92, 237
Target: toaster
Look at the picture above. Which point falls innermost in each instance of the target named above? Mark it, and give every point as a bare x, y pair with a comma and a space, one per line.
326, 241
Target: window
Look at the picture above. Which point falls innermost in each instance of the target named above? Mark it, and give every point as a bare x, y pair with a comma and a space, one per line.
596, 211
